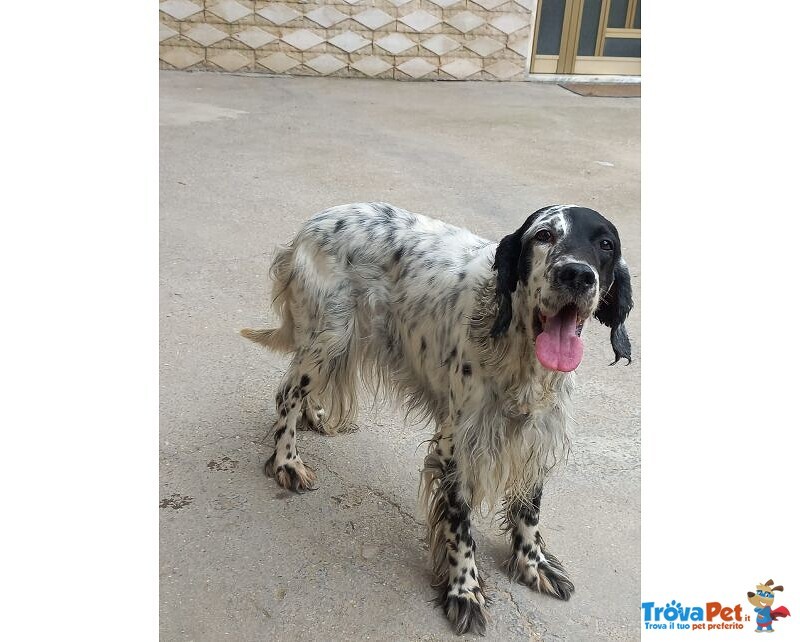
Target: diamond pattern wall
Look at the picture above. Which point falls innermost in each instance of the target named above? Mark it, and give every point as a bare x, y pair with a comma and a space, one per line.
279, 62
420, 20
461, 68
278, 14
165, 32
302, 39
230, 59
373, 18
440, 44
326, 16
255, 37
180, 9
349, 41
484, 46
416, 67
205, 34
509, 22
465, 21
230, 10
401, 39
326, 64
371, 66
180, 57
395, 43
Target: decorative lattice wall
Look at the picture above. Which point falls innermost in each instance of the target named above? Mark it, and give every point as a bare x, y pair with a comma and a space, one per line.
401, 39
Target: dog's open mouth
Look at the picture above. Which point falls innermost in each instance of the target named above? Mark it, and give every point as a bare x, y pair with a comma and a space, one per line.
558, 339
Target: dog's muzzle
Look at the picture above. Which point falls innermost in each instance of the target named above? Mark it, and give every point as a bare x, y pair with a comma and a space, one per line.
558, 339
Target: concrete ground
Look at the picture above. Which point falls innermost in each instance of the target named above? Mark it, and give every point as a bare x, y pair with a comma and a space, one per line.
243, 161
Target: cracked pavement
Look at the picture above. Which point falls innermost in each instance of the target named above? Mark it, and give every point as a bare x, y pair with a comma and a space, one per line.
243, 162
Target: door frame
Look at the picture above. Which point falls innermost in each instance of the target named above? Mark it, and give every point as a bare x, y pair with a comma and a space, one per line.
568, 62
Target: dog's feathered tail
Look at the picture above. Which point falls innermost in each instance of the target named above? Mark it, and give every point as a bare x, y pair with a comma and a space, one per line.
273, 338
279, 339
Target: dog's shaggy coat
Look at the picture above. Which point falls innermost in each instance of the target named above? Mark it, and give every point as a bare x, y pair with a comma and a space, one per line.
448, 323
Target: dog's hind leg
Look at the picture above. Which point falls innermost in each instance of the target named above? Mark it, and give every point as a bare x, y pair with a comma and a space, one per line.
456, 577
324, 366
300, 382
529, 562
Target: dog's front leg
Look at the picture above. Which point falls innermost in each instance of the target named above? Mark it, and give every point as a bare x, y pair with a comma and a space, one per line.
456, 576
529, 562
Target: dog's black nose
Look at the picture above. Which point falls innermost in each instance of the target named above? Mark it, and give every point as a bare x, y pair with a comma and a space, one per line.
576, 276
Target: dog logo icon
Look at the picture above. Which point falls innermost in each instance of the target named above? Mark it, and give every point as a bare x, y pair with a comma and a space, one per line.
762, 599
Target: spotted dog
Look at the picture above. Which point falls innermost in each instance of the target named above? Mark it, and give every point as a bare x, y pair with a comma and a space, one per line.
481, 338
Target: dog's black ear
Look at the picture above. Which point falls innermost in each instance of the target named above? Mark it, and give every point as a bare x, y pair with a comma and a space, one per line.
614, 308
506, 262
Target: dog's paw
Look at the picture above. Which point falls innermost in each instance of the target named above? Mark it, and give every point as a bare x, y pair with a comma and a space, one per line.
291, 475
466, 610
542, 572
464, 601
313, 418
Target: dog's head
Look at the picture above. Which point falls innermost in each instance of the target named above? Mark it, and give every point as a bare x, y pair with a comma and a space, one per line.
568, 263
764, 595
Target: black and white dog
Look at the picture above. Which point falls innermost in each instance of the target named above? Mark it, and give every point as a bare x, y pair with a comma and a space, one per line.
481, 337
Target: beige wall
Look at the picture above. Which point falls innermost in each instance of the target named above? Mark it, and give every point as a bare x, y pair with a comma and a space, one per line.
401, 39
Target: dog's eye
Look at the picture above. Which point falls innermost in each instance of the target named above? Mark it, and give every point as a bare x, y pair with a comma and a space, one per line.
543, 236
605, 244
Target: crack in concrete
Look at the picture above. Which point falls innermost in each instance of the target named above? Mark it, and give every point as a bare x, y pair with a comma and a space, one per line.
526, 623
397, 505
377, 493
320, 461
210, 443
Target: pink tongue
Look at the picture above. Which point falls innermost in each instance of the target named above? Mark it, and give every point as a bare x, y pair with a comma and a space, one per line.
559, 347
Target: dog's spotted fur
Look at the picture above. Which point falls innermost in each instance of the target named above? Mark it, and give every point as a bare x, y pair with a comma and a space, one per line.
445, 321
